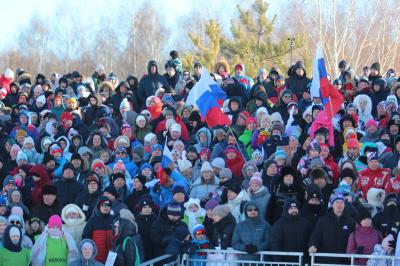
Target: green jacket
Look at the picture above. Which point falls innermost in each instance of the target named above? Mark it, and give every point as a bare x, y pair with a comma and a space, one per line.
245, 138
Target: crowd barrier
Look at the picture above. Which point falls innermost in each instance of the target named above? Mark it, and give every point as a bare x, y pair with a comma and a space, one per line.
232, 257
329, 259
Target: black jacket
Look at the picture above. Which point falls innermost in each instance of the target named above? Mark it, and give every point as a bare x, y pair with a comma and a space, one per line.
44, 211
297, 84
313, 212
223, 232
68, 190
162, 231
150, 83
145, 224
134, 198
87, 202
331, 234
290, 233
126, 254
387, 221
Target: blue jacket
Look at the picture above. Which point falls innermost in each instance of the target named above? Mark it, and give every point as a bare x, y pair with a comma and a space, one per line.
130, 166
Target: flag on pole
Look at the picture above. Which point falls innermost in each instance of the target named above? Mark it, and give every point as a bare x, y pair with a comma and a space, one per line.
166, 157
208, 97
320, 77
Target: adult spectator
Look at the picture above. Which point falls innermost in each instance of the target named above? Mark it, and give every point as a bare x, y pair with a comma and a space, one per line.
68, 188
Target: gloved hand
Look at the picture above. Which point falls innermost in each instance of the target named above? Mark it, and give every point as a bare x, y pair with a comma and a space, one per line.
192, 249
156, 188
251, 249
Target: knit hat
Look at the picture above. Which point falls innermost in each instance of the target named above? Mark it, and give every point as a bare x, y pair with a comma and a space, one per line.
211, 204
372, 123
206, 167
54, 221
256, 179
68, 166
142, 179
92, 178
317, 161
29, 140
353, 143
372, 156
47, 158
119, 166
280, 154
363, 213
250, 120
111, 189
124, 104
49, 190
97, 163
335, 197
184, 164
145, 201
117, 176
376, 66
175, 127
103, 199
347, 172
218, 163
21, 156
21, 133
34, 219
55, 149
9, 180
198, 227
344, 189
174, 209
178, 189
313, 192
225, 172
149, 137
236, 188
221, 210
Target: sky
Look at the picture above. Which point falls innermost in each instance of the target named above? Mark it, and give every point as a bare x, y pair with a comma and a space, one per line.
17, 13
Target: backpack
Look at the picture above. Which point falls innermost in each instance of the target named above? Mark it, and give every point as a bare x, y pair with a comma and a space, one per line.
137, 257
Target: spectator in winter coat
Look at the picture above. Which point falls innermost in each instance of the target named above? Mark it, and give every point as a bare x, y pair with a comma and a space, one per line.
364, 238
68, 188
49, 204
99, 228
259, 194
164, 227
87, 251
125, 244
151, 82
74, 221
252, 235
313, 207
12, 252
374, 176
332, 231
244, 80
204, 187
224, 226
41, 178
298, 81
193, 214
146, 215
292, 231
388, 221
87, 200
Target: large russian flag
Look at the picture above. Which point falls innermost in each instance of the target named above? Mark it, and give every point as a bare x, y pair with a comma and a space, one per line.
208, 97
166, 157
320, 77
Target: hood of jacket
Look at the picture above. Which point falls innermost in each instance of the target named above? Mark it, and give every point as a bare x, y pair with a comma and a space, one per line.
360, 98
81, 216
94, 249
208, 134
150, 64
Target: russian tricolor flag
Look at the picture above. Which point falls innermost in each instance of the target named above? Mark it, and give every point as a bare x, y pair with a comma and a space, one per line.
166, 157
320, 77
208, 97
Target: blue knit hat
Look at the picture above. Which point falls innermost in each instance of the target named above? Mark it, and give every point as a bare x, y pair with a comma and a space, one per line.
335, 197
280, 154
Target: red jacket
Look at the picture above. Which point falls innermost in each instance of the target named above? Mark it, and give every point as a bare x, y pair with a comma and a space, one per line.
161, 127
334, 168
372, 179
39, 170
393, 185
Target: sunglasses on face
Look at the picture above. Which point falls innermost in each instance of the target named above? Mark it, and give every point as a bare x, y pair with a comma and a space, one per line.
15, 222
252, 210
105, 205
120, 152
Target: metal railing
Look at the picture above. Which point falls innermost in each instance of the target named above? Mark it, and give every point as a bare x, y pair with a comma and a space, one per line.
167, 260
329, 259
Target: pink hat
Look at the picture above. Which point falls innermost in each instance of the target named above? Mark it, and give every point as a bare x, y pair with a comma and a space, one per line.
371, 122
256, 179
54, 221
119, 167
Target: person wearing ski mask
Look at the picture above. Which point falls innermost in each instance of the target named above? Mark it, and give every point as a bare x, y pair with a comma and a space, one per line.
13, 253
54, 246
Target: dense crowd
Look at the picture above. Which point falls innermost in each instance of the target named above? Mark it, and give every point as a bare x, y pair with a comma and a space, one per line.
83, 176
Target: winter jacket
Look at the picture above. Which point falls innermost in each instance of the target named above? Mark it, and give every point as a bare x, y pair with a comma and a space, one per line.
362, 241
134, 198
223, 232
39, 170
387, 221
92, 261
313, 212
75, 227
330, 235
130, 166
202, 190
68, 190
87, 202
150, 83
261, 198
145, 223
99, 229
254, 231
290, 233
244, 80
44, 211
126, 245
297, 84
368, 178
162, 231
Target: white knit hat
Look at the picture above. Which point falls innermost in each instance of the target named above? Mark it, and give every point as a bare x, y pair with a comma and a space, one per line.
184, 164
175, 127
206, 167
218, 163
8, 73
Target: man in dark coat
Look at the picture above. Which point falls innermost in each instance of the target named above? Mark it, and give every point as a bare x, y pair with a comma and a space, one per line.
297, 81
388, 221
291, 232
163, 228
332, 231
313, 207
68, 188
145, 218
49, 205
224, 226
150, 83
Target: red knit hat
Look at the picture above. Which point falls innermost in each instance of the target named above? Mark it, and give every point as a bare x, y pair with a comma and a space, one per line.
97, 163
353, 143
